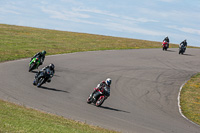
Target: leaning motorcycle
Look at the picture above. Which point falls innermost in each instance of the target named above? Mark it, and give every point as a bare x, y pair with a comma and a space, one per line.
165, 45
35, 62
97, 98
43, 77
182, 49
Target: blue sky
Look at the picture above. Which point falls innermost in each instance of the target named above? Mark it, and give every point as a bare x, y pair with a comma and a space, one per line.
139, 19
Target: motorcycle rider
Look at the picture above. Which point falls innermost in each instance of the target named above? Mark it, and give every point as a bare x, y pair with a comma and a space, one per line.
51, 67
167, 40
40, 55
184, 43
103, 85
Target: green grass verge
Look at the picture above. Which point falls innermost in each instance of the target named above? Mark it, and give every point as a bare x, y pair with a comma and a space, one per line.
20, 42
15, 118
190, 99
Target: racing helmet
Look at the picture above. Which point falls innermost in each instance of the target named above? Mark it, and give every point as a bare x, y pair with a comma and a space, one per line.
108, 81
44, 52
51, 66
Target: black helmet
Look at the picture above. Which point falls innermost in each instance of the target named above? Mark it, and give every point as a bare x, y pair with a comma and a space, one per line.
51, 66
44, 52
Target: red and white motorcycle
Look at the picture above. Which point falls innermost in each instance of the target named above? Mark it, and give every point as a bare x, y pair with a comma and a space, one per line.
98, 97
165, 45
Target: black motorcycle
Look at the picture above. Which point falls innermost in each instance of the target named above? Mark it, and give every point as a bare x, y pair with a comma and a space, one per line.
43, 77
182, 49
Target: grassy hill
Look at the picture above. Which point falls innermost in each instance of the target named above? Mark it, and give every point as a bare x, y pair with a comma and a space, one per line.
21, 42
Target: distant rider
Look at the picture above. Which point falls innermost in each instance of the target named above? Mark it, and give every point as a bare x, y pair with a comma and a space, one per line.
184, 43
104, 85
167, 40
51, 67
40, 55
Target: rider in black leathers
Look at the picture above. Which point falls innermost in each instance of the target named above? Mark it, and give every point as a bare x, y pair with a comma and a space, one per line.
51, 67
40, 55
184, 43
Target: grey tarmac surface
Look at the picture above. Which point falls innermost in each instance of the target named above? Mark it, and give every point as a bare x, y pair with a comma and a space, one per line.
144, 90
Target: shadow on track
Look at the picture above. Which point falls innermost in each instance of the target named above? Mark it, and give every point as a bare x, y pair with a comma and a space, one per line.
188, 54
53, 89
171, 51
109, 108
34, 71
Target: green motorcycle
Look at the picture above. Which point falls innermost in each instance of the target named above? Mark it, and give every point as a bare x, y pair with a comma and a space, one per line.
35, 63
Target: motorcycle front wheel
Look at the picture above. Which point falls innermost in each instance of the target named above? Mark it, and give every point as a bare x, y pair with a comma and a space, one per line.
31, 67
100, 101
40, 82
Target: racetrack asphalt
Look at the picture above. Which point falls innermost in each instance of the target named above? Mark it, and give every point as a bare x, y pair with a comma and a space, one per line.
144, 90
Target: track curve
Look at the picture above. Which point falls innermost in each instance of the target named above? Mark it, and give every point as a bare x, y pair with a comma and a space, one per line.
144, 90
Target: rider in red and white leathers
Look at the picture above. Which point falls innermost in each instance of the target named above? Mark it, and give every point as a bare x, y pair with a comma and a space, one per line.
167, 40
103, 85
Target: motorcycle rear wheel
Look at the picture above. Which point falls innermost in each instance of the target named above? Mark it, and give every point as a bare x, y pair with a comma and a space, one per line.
89, 100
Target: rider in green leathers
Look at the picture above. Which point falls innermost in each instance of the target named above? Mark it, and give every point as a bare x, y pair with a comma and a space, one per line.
40, 55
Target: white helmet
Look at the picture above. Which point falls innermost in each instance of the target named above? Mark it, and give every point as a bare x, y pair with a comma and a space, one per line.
108, 81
